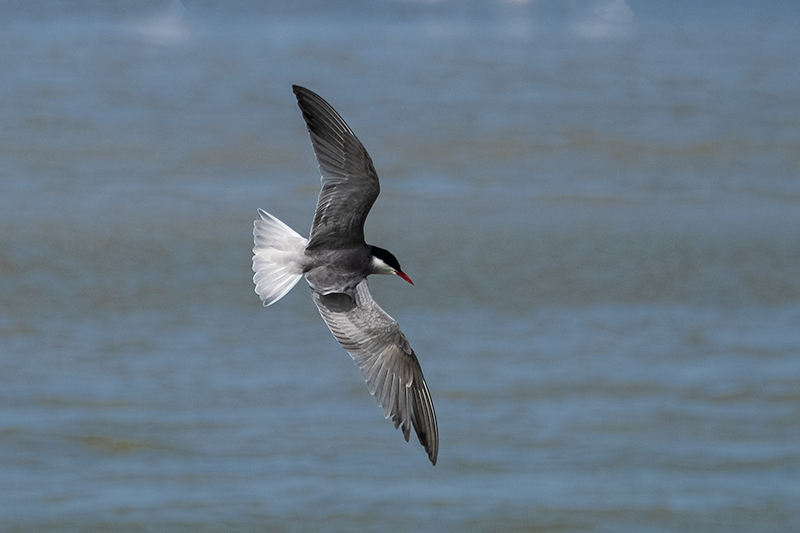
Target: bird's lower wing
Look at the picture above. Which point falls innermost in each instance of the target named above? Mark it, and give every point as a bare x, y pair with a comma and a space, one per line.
386, 360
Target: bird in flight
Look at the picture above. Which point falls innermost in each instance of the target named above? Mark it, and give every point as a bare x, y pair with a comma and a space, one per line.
336, 261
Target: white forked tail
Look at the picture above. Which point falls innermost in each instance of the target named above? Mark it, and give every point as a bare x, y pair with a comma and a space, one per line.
277, 257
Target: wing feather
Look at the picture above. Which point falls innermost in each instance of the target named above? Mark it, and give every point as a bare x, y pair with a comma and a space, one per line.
349, 182
389, 365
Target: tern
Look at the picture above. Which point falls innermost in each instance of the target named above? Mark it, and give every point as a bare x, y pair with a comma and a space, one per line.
335, 260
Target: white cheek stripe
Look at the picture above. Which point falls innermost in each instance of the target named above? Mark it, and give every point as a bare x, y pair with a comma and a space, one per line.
380, 267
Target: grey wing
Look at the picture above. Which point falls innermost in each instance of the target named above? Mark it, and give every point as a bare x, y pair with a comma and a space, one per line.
349, 181
386, 360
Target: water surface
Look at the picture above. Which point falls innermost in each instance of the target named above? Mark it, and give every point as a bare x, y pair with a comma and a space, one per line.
599, 206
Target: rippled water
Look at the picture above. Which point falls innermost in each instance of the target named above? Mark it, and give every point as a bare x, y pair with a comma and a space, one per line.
599, 206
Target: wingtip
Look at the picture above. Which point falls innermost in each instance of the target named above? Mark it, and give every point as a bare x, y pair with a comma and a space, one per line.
425, 422
432, 449
301, 92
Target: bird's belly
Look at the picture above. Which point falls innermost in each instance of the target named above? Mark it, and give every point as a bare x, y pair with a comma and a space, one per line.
337, 270
329, 279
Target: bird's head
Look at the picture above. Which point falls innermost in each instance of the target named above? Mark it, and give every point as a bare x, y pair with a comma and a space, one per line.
384, 262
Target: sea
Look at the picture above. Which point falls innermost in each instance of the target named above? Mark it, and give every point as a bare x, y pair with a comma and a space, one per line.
598, 202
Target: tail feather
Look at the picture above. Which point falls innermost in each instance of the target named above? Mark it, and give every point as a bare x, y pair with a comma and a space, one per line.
277, 257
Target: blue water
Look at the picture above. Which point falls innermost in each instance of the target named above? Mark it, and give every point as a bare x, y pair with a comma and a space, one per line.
599, 204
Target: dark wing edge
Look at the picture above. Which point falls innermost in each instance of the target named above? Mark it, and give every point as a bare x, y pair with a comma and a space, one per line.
349, 182
389, 365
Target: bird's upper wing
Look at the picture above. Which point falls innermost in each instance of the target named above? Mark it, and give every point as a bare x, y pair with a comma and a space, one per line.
349, 181
386, 360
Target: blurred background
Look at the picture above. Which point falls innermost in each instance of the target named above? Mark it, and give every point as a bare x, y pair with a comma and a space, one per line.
598, 202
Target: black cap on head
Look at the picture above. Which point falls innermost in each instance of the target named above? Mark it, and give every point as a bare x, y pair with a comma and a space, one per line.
387, 257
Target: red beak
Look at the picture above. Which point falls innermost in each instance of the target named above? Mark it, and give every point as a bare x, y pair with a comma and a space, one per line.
403, 275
